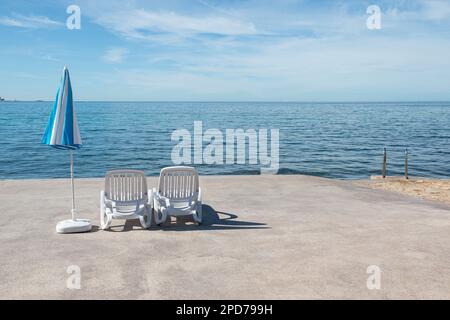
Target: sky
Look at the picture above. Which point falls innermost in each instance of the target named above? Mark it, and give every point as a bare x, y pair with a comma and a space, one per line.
228, 50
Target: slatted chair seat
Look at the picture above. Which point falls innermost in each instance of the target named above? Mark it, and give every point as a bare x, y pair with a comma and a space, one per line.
178, 194
125, 197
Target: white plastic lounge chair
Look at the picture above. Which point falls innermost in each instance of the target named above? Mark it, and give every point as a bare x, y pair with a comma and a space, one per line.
125, 197
178, 194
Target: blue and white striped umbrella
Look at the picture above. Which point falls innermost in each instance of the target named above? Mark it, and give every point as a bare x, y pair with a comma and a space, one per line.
63, 133
62, 130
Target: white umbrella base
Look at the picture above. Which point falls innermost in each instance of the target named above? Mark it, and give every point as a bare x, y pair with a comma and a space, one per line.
74, 226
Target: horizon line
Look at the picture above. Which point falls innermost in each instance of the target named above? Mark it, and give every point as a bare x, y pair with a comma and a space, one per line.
244, 101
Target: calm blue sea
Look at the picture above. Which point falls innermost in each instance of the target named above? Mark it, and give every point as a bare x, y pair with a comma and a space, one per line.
335, 140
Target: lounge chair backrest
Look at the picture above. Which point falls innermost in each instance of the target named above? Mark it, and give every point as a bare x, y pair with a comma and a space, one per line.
125, 185
178, 182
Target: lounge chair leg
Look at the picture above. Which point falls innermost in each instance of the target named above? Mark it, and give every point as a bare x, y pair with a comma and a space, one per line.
144, 224
148, 216
106, 224
198, 215
163, 218
105, 220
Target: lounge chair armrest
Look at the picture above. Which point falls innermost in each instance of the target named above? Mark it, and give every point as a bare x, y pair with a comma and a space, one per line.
150, 197
161, 199
113, 206
167, 201
198, 199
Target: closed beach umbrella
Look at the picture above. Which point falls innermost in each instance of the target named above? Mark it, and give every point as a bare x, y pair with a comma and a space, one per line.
63, 133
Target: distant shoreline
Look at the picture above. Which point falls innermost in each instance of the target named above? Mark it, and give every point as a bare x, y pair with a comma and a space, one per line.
243, 101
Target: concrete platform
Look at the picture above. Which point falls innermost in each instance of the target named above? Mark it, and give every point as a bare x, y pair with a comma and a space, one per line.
264, 237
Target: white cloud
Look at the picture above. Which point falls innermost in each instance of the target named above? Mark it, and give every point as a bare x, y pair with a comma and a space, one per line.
141, 23
115, 55
29, 22
296, 69
436, 10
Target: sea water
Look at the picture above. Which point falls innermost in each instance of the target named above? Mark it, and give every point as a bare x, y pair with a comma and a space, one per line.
334, 140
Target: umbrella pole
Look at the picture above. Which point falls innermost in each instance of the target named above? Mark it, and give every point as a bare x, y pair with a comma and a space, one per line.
73, 188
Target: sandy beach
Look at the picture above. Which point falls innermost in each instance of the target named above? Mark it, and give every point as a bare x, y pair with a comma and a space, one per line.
263, 237
429, 189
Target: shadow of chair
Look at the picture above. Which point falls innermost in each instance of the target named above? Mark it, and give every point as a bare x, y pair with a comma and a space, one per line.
129, 225
212, 220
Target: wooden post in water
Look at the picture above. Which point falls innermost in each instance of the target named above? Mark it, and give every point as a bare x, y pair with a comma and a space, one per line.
384, 170
406, 164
